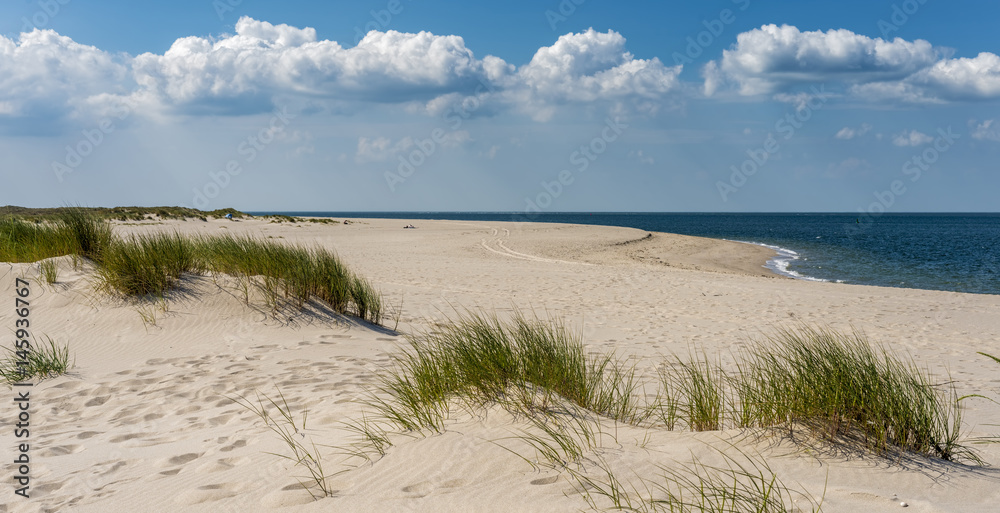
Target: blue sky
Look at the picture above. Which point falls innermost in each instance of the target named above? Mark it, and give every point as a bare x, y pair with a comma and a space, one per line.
571, 105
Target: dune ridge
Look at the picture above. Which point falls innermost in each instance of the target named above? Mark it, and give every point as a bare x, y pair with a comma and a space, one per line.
145, 420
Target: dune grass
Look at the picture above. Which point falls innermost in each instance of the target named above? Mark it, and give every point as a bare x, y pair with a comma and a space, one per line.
837, 387
843, 388
90, 235
294, 272
48, 271
741, 484
146, 265
24, 241
524, 365
279, 418
150, 265
42, 360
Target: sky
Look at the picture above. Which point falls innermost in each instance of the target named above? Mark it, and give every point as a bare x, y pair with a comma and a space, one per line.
870, 106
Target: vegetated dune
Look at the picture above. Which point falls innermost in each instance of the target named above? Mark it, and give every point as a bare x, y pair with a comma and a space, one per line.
148, 418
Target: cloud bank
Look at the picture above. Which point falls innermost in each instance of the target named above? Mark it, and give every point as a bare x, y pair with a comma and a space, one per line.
775, 59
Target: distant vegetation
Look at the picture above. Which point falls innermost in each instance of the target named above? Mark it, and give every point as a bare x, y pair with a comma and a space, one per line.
118, 213
151, 264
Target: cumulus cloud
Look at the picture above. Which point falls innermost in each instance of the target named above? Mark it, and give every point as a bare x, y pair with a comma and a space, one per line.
984, 131
46, 75
261, 61
912, 138
248, 70
775, 60
263, 65
586, 67
963, 79
848, 133
766, 59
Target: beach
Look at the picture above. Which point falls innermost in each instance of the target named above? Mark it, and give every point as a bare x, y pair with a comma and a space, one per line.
146, 419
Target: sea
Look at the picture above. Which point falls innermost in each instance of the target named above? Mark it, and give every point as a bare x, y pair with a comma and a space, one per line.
954, 252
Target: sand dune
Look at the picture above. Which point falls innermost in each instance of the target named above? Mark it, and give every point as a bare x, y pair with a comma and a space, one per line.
146, 420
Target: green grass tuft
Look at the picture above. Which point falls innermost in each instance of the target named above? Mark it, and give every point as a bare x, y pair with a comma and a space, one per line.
40, 361
23, 241
151, 264
90, 234
843, 388
525, 365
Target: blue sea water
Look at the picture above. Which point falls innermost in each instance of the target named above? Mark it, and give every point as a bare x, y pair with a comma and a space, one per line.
956, 252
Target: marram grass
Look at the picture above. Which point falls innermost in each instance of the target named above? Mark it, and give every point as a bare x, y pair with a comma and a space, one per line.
838, 387
524, 365
150, 265
42, 360
844, 388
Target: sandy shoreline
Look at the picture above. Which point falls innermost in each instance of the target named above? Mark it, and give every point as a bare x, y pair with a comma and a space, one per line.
144, 422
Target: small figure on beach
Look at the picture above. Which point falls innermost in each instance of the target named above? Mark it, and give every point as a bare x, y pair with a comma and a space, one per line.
409, 226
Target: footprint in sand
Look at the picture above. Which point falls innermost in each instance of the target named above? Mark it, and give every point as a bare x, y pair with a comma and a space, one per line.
235, 445
207, 493
183, 458
61, 450
97, 401
221, 419
128, 436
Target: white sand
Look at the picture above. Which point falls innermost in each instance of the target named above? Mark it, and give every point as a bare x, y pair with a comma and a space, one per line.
144, 421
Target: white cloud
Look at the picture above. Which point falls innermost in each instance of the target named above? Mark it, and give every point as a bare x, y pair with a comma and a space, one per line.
263, 65
848, 133
963, 79
913, 138
984, 131
766, 59
46, 75
588, 67
775, 60
246, 71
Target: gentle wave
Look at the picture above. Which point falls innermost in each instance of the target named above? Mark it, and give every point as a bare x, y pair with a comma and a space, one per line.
780, 262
